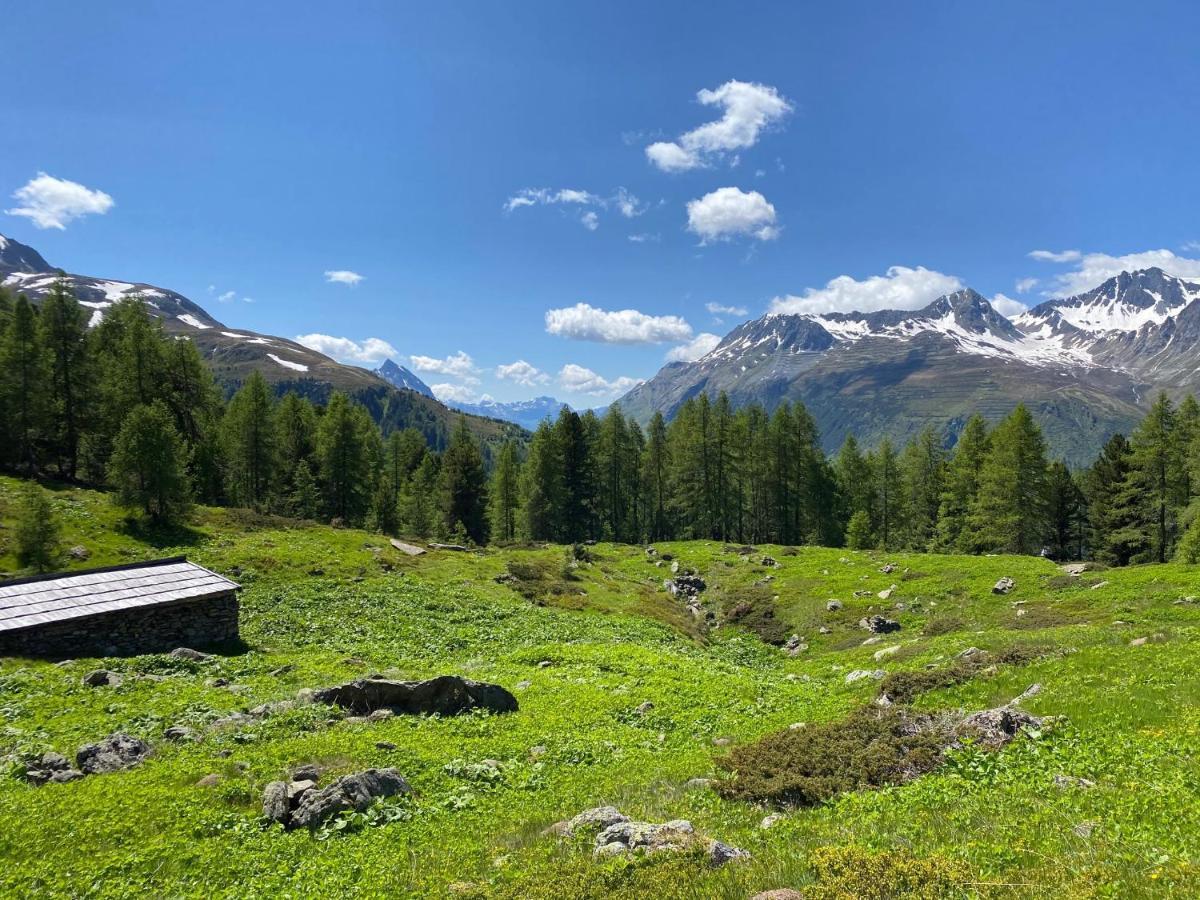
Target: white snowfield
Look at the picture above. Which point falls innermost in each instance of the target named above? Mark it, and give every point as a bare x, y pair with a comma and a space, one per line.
288, 364
189, 319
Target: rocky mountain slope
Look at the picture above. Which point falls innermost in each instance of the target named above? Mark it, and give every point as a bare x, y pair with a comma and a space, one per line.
1086, 366
234, 353
398, 376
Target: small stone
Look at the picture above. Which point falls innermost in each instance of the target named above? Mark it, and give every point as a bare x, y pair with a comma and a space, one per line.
189, 654
698, 784
545, 664
537, 750
1138, 642
824, 630
1004, 586
886, 652
778, 894
115, 752
861, 674
384, 745
101, 678
796, 726
1071, 781
770, 821
380, 715
888, 569
873, 639
524, 685
721, 742
282, 670
833, 605
305, 696
644, 708
79, 552
307, 772
216, 682
180, 734
211, 780
886, 594
720, 853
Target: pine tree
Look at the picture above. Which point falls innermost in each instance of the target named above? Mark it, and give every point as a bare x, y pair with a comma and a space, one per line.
385, 505
578, 477
541, 486
962, 487
23, 386
295, 440
613, 458
504, 495
889, 498
149, 465
859, 535
1111, 533
63, 326
1009, 513
344, 458
304, 498
1157, 480
656, 467
464, 486
923, 478
1066, 513
37, 531
248, 437
418, 505
856, 487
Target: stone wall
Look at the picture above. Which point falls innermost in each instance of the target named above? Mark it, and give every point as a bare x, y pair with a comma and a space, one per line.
207, 622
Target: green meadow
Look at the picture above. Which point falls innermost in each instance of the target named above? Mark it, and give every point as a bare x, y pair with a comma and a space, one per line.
585, 639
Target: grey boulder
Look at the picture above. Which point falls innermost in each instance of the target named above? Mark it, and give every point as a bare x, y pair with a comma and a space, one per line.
446, 695
114, 753
350, 792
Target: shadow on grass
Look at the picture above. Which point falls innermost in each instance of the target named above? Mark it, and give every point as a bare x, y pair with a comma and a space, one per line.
161, 535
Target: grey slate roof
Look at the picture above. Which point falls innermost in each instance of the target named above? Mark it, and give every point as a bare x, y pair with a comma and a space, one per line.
43, 599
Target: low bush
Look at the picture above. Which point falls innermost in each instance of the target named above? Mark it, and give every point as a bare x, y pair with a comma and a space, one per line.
850, 872
903, 687
943, 625
800, 767
754, 608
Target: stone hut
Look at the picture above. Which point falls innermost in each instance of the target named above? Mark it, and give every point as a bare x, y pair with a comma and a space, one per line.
149, 607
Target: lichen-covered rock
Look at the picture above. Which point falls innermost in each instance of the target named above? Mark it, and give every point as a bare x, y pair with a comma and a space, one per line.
599, 818
861, 674
275, 804
101, 678
1004, 586
878, 624
446, 695
180, 734
114, 753
350, 792
996, 727
833, 605
189, 654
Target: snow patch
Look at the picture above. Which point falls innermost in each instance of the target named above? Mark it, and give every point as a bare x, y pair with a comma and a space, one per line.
189, 319
288, 364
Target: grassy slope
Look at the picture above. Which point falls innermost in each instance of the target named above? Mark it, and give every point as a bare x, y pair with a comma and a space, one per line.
1133, 713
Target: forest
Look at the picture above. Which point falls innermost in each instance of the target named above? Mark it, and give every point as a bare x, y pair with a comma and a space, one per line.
126, 406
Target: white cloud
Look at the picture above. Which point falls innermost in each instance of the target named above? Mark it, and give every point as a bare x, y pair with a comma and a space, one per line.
644, 238
227, 297
546, 196
1093, 269
367, 352
457, 365
1025, 285
719, 310
628, 204
583, 322
729, 212
342, 276
1060, 256
747, 109
51, 202
459, 393
579, 380
522, 373
900, 288
1191, 246
1007, 306
697, 347
590, 220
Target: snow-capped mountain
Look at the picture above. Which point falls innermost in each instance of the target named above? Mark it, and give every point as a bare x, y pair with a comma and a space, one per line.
1085, 365
398, 376
526, 413
233, 353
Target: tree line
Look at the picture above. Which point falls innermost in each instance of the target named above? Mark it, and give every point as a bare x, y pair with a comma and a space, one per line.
125, 405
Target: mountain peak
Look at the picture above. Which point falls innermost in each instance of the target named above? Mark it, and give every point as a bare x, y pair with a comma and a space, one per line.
398, 376
18, 257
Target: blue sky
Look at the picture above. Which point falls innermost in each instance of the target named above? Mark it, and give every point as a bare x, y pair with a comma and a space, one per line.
474, 163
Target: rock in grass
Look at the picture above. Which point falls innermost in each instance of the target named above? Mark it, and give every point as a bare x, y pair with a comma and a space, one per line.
1004, 586
861, 674
1071, 781
598, 819
879, 625
189, 654
114, 753
275, 804
833, 605
180, 734
101, 678
350, 792
446, 695
779, 894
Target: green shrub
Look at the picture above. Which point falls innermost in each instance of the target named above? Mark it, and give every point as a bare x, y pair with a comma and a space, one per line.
943, 625
799, 767
754, 608
850, 873
37, 530
903, 687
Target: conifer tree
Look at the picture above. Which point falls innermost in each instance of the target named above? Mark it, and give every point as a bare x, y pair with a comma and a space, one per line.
923, 477
419, 501
248, 435
504, 495
344, 458
464, 486
63, 327
1156, 480
38, 531
578, 477
656, 466
962, 487
149, 465
304, 498
1066, 513
1009, 513
1112, 536
25, 368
